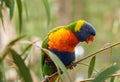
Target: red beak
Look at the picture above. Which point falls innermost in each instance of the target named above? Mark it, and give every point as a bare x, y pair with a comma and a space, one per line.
90, 39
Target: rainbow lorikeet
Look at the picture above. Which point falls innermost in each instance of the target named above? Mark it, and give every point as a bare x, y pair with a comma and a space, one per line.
62, 41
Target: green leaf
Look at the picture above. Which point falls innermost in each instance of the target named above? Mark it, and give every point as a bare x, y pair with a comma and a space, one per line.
47, 8
112, 79
27, 48
111, 55
6, 51
1, 76
25, 7
10, 4
24, 71
4, 54
106, 73
57, 62
91, 66
41, 64
1, 16
19, 5
16, 40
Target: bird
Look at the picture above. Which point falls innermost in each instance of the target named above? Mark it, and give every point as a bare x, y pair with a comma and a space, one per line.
62, 41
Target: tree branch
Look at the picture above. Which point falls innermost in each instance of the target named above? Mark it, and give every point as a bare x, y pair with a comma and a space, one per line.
88, 56
95, 53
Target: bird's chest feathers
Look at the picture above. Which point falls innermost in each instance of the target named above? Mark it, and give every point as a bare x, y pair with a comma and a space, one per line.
62, 40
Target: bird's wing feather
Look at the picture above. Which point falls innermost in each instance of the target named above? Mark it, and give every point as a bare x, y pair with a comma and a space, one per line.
55, 29
42, 54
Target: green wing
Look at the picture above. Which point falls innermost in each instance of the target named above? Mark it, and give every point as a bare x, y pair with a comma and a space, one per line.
45, 42
42, 54
44, 45
44, 67
70, 26
55, 29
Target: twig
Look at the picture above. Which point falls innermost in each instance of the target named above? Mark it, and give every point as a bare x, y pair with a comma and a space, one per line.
102, 49
93, 54
117, 74
84, 80
86, 57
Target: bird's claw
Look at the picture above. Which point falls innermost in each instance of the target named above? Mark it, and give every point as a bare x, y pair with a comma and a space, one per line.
72, 65
46, 79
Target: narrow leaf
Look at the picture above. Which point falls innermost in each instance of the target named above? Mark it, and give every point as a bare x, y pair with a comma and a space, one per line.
24, 71
27, 48
1, 16
111, 55
11, 8
16, 40
57, 62
106, 73
19, 5
91, 66
6, 51
1, 76
4, 54
47, 8
112, 79
26, 10
41, 64
10, 5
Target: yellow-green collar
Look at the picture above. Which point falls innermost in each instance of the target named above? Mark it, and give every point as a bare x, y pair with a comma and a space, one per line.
79, 24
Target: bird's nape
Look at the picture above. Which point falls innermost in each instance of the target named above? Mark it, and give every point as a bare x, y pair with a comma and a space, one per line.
86, 33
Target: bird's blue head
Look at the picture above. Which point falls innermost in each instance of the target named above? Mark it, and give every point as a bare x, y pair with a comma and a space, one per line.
84, 31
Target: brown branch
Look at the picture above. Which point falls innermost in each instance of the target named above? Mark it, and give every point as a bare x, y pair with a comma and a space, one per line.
86, 57
93, 54
102, 49
117, 74
84, 80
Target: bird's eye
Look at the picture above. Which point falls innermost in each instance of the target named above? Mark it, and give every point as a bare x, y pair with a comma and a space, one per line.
87, 30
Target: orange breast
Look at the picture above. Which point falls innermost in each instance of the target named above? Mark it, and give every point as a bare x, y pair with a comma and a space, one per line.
62, 40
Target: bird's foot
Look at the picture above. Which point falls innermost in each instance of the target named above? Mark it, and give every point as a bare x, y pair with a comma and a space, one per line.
46, 79
72, 65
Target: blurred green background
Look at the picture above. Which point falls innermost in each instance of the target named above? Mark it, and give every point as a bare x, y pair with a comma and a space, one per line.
104, 15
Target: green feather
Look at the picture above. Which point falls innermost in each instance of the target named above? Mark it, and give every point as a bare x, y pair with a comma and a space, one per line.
42, 54
55, 29
47, 69
45, 42
71, 26
45, 66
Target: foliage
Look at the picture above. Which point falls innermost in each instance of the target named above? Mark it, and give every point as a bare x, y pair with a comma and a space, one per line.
58, 63
24, 71
106, 73
10, 4
47, 8
89, 12
91, 66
